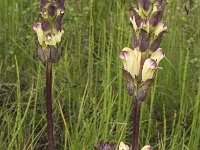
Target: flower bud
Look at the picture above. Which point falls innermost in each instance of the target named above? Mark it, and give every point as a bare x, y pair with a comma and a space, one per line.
144, 40
149, 67
51, 10
156, 43
135, 41
156, 17
49, 54
157, 14
44, 2
143, 89
145, 4
130, 83
46, 25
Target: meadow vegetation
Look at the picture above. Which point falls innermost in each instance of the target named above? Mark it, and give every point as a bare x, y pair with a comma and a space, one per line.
90, 100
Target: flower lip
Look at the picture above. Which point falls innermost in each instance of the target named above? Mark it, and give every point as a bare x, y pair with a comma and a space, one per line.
48, 36
36, 26
123, 54
42, 10
136, 9
144, 23
164, 25
62, 11
161, 27
153, 63
158, 55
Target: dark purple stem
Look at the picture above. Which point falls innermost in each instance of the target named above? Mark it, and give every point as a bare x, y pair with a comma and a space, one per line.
136, 119
49, 106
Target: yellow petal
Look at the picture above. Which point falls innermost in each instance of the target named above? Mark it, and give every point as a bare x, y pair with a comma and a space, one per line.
145, 25
40, 33
123, 146
131, 60
133, 22
158, 55
50, 40
58, 36
149, 67
147, 147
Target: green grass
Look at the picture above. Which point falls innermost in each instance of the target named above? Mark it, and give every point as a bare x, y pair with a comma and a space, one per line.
90, 101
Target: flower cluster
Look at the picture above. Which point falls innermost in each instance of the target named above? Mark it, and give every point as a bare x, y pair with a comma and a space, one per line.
141, 61
49, 31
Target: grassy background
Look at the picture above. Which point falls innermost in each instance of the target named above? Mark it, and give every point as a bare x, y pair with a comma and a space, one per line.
90, 100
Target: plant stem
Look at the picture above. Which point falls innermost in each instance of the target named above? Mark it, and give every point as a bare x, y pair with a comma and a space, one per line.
49, 106
136, 119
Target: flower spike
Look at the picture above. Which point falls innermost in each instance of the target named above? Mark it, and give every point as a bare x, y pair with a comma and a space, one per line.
49, 30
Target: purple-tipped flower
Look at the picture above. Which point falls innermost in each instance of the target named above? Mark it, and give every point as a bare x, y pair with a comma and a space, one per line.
151, 64
162, 26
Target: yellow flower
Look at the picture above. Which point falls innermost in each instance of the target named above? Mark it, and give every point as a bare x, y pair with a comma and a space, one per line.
53, 39
45, 38
58, 36
40, 33
147, 147
131, 60
151, 64
160, 28
123, 146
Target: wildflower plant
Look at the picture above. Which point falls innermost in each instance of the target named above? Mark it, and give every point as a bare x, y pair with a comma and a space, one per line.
49, 30
49, 36
141, 61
